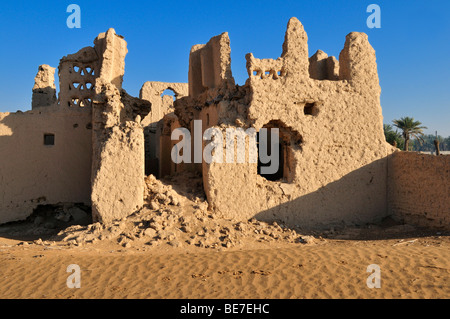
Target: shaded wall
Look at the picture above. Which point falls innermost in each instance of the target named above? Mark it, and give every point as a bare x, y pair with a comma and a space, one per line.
419, 189
32, 173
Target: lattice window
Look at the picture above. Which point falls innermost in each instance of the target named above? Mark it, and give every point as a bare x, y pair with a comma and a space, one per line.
268, 74
80, 102
82, 86
82, 70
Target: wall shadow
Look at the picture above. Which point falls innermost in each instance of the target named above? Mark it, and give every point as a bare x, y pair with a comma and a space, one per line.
355, 207
34, 172
47, 221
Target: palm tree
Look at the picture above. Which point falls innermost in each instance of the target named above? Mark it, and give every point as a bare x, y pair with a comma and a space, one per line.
392, 137
410, 128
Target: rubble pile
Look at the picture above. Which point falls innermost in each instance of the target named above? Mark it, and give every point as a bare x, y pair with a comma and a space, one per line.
180, 218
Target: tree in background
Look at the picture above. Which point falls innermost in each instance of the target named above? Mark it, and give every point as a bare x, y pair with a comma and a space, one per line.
410, 129
428, 144
392, 137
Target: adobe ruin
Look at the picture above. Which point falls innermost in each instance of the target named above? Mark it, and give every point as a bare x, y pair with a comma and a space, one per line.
95, 144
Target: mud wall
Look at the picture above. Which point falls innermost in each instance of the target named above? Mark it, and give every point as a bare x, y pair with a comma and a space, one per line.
419, 189
118, 160
336, 151
32, 173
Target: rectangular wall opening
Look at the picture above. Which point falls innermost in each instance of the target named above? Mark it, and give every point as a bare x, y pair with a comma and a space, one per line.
49, 139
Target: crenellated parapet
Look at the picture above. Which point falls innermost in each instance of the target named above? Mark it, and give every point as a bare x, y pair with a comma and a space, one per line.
356, 64
264, 68
323, 67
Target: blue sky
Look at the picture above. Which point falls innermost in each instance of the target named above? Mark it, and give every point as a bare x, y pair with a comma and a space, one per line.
412, 45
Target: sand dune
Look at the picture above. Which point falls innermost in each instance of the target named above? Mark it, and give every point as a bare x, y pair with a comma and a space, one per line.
410, 268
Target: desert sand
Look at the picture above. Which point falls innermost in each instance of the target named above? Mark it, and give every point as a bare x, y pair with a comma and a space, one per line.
176, 248
413, 267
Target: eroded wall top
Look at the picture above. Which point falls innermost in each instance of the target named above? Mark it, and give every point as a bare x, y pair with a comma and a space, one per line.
44, 90
161, 104
210, 65
79, 71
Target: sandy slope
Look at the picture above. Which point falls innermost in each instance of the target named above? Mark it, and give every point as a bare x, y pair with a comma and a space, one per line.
329, 268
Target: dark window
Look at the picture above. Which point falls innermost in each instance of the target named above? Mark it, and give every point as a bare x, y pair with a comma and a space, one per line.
311, 109
49, 139
288, 141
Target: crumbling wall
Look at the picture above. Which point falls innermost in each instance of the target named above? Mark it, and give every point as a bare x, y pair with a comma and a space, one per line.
419, 189
210, 65
166, 165
323, 67
339, 167
210, 81
118, 173
118, 138
88, 147
161, 106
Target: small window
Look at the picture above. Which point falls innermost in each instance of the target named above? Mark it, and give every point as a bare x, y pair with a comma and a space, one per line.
311, 109
49, 139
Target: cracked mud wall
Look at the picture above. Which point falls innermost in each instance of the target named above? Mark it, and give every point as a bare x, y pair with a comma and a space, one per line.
118, 172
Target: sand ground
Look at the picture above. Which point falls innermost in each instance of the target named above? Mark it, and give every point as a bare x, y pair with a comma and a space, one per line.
413, 265
175, 248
